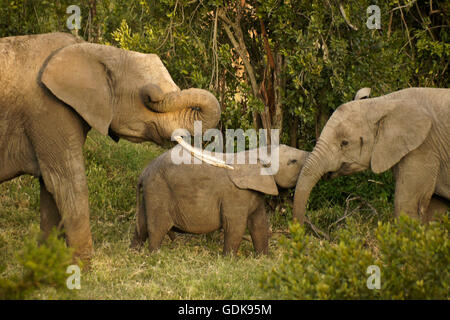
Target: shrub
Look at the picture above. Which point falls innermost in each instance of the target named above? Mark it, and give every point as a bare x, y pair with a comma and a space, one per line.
313, 269
43, 265
413, 259
368, 185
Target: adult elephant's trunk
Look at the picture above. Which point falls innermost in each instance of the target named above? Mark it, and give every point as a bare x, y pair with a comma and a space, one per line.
181, 109
315, 167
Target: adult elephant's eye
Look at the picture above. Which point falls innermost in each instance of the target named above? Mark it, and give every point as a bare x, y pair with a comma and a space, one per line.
344, 143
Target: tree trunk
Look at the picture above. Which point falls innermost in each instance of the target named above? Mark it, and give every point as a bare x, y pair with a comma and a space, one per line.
294, 132
280, 84
92, 35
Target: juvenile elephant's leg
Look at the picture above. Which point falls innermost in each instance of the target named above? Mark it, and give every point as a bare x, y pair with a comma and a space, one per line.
234, 228
140, 230
415, 177
258, 225
159, 221
157, 232
50, 217
437, 207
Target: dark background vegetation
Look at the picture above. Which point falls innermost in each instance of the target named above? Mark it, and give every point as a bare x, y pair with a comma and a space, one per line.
284, 64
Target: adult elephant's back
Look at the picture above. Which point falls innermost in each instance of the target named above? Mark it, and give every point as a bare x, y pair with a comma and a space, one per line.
22, 97
22, 59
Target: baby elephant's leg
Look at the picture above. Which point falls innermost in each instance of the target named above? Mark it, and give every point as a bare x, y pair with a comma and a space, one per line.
258, 225
140, 230
234, 228
159, 223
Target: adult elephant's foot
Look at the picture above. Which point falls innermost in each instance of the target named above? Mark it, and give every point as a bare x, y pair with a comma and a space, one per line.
83, 258
81, 241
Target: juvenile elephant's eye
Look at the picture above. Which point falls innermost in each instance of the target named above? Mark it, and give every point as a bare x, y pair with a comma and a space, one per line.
292, 161
344, 143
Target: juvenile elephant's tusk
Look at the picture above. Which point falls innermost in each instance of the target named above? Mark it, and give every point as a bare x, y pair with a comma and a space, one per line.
200, 155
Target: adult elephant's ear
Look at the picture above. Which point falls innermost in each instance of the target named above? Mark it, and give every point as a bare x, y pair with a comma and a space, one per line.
400, 127
248, 176
76, 76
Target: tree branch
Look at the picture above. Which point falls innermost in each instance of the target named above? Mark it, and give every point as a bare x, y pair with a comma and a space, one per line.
239, 46
341, 8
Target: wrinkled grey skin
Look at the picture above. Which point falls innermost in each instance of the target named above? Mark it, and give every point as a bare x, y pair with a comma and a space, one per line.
54, 88
408, 130
199, 198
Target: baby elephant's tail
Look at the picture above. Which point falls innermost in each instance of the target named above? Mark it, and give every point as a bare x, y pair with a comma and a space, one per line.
140, 231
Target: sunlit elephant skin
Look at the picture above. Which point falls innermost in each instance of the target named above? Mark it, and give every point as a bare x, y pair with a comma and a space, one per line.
408, 130
55, 88
199, 198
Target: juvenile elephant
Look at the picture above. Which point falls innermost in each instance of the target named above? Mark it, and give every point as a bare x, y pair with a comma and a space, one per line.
55, 88
408, 130
199, 198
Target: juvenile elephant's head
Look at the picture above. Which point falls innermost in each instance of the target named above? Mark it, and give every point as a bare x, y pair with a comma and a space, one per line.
126, 94
290, 163
373, 133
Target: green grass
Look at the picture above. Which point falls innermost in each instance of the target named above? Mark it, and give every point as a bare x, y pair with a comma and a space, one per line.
191, 267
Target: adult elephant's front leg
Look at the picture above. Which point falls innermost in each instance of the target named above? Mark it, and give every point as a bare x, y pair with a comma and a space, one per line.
66, 182
58, 141
50, 217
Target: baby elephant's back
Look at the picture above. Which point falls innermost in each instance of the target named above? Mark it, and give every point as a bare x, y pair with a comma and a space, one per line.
196, 191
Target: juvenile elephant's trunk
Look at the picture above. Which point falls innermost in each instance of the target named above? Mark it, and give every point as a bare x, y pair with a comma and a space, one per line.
180, 109
315, 167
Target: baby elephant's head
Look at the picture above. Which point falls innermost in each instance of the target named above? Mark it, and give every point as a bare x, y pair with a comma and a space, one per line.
291, 162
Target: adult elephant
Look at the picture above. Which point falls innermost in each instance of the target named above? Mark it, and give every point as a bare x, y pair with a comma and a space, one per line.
55, 88
408, 130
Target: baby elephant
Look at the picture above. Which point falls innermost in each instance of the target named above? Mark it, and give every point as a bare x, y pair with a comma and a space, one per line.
200, 198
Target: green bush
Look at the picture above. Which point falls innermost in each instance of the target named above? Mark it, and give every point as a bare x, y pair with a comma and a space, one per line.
368, 185
43, 265
413, 260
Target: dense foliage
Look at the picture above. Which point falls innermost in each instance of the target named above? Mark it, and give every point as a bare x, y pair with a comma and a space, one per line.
413, 260
42, 265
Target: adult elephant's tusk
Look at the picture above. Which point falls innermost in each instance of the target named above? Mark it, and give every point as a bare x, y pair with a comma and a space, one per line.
200, 155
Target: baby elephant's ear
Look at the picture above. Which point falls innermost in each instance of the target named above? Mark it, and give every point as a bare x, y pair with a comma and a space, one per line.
248, 176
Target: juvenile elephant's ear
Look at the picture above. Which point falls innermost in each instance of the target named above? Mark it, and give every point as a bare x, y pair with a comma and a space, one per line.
248, 176
401, 127
362, 93
77, 77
